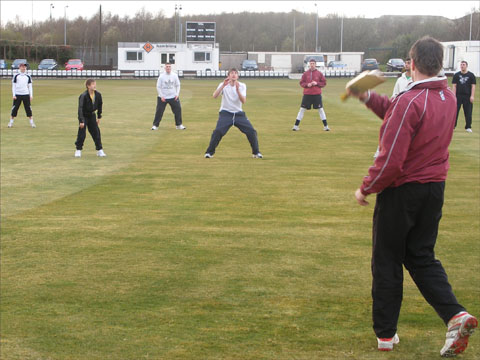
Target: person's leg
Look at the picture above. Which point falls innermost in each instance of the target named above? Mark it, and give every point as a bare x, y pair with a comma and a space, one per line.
426, 271
225, 121
28, 109
246, 127
159, 112
467, 111
305, 105
81, 137
390, 228
94, 131
14, 112
177, 110
459, 105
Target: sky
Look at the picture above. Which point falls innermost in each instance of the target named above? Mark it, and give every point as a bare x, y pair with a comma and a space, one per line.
40, 10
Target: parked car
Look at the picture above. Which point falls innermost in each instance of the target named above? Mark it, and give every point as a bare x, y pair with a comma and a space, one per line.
369, 64
48, 64
249, 65
336, 65
3, 64
74, 64
16, 63
319, 59
395, 65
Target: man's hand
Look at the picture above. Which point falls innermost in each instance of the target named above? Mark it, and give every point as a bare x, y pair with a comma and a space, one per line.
237, 85
225, 82
314, 83
471, 99
360, 198
98, 121
176, 98
82, 125
361, 96
14, 98
31, 98
309, 84
163, 99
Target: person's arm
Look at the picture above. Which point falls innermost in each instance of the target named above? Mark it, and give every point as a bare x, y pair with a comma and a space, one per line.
379, 104
396, 137
396, 88
99, 106
472, 96
159, 88
454, 88
81, 118
303, 81
454, 83
30, 87
322, 81
13, 87
241, 91
220, 88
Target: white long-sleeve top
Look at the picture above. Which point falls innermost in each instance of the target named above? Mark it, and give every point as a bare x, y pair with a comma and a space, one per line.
22, 84
401, 84
168, 85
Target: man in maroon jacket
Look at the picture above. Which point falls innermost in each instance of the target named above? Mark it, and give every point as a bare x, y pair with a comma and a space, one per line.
312, 82
409, 176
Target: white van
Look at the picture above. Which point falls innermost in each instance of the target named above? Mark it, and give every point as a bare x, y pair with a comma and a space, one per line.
320, 59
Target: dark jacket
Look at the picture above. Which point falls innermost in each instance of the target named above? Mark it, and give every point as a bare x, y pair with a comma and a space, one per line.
414, 137
86, 109
309, 76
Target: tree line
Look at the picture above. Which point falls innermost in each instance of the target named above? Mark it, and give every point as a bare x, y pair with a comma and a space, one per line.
381, 37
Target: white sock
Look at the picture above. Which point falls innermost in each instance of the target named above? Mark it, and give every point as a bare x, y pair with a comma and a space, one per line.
31, 120
300, 114
321, 112
11, 120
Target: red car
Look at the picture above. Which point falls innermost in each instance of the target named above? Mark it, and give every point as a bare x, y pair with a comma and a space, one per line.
74, 64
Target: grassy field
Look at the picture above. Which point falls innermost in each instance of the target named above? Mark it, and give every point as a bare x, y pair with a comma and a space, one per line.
157, 253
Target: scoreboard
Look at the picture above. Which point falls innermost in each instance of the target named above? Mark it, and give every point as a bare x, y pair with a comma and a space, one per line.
201, 31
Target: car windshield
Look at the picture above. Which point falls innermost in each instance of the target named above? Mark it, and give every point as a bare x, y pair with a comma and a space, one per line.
74, 62
2, 61
370, 61
249, 62
314, 57
20, 61
47, 61
397, 61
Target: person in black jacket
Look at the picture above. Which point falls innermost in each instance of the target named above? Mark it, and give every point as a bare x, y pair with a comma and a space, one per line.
89, 102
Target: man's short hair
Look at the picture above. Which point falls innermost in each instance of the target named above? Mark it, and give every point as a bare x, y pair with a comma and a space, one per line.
167, 64
312, 60
408, 59
427, 55
232, 70
89, 82
464, 62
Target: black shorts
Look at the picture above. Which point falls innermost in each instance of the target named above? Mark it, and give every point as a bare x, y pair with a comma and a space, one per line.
309, 100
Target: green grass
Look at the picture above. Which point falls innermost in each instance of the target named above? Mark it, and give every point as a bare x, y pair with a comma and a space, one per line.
157, 253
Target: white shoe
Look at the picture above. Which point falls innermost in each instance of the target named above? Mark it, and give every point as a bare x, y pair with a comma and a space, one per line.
101, 153
78, 153
10, 124
295, 128
326, 128
257, 156
460, 327
180, 127
32, 124
469, 130
208, 156
154, 127
387, 344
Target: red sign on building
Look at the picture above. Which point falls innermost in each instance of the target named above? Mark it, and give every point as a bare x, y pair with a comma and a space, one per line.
148, 47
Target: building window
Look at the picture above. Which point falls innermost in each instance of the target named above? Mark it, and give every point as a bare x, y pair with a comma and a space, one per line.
135, 55
201, 56
170, 58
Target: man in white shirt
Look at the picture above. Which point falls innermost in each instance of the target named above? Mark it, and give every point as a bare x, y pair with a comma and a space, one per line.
22, 91
234, 94
168, 88
404, 80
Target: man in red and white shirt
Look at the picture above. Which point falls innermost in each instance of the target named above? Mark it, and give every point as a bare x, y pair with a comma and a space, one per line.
312, 82
408, 176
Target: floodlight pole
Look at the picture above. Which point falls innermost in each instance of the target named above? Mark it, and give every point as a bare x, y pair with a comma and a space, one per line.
341, 37
316, 31
471, 14
65, 25
51, 7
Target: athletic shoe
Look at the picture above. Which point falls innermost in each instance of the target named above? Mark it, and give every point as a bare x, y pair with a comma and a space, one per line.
295, 128
460, 327
154, 127
326, 128
101, 153
386, 344
469, 130
32, 124
208, 156
78, 153
257, 156
10, 124
180, 127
